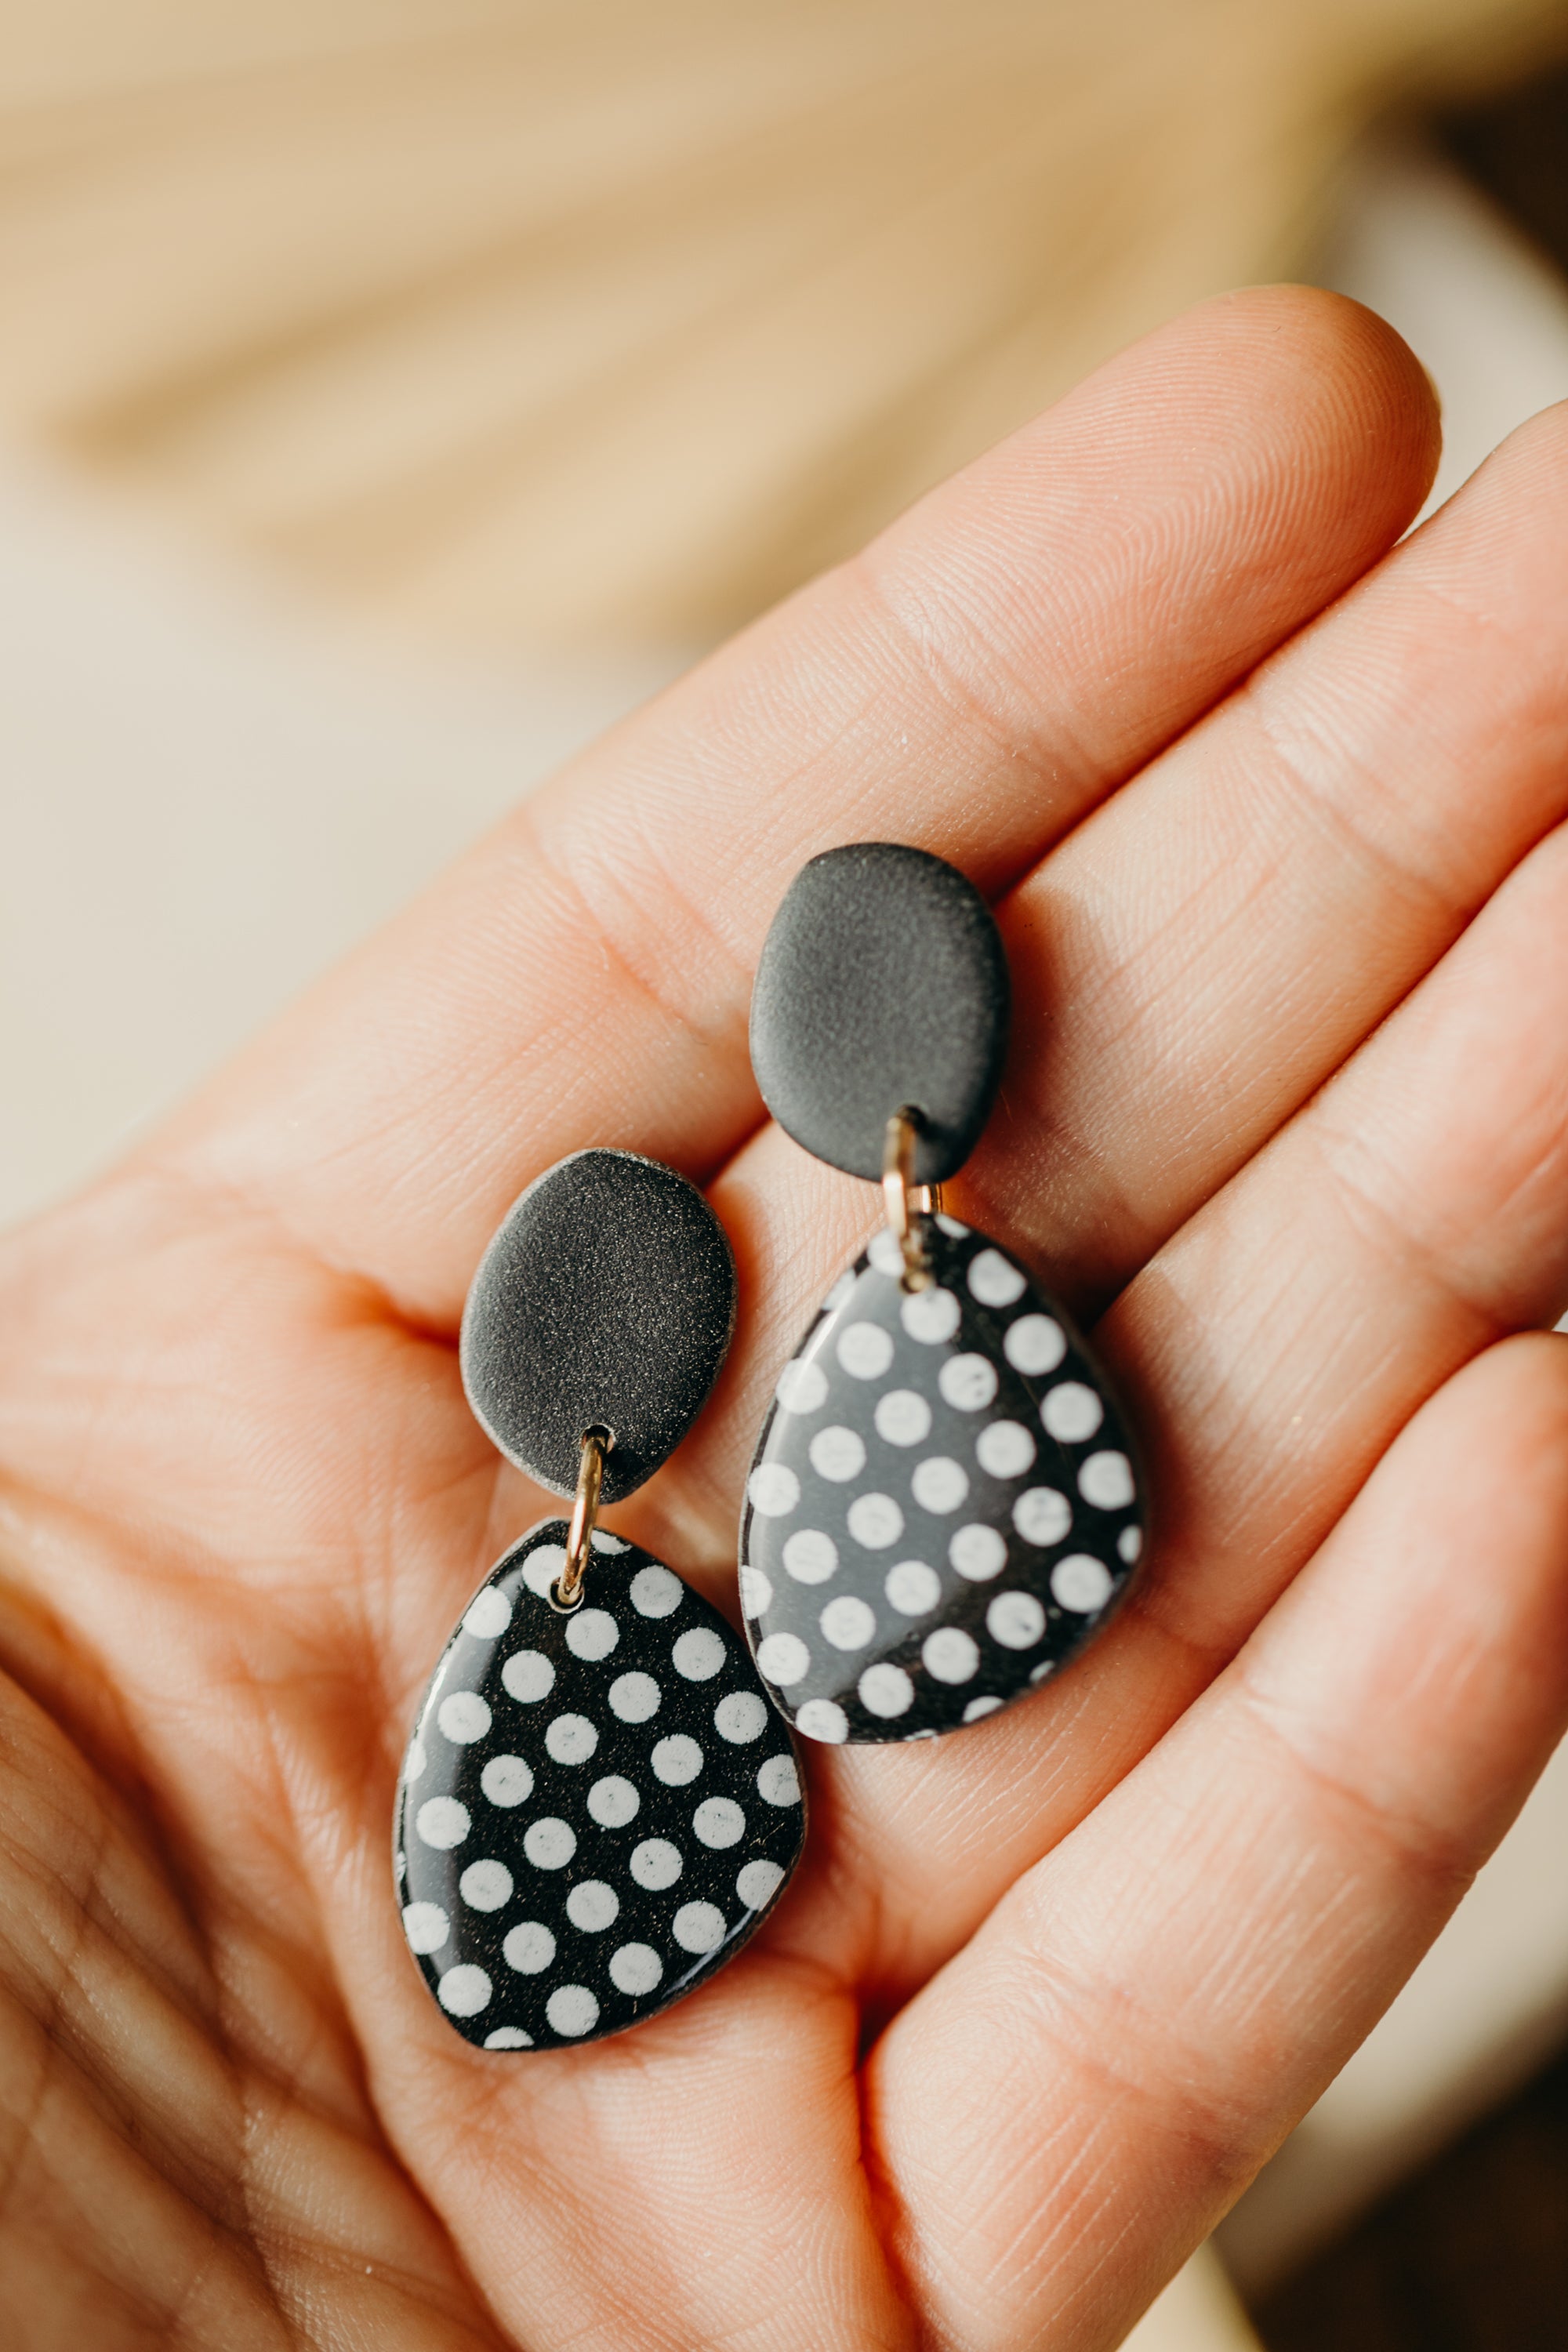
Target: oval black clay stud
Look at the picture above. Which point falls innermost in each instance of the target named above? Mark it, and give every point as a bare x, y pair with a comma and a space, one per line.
598, 1807
882, 981
943, 1506
606, 1297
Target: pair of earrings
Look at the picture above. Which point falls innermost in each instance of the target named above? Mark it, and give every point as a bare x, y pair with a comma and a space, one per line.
602, 1800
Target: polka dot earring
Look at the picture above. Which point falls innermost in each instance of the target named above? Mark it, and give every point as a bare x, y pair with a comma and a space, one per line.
942, 1508
598, 1805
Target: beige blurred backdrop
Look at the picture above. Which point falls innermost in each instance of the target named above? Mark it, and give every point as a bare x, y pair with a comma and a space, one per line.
391, 392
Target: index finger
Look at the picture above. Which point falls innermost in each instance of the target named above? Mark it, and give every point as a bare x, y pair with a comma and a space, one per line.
993, 666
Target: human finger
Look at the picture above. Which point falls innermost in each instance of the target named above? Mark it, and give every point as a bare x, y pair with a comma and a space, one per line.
993, 666
1070, 2107
1408, 1216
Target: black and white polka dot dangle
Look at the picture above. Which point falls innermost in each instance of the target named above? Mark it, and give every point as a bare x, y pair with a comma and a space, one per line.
598, 1806
943, 1506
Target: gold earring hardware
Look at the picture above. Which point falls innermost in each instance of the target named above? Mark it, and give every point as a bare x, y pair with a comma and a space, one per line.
566, 1592
909, 1204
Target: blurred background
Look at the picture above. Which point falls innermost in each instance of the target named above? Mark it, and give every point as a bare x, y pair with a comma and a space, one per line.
392, 392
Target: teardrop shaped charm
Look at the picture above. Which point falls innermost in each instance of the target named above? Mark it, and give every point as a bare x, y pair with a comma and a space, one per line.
598, 1809
943, 1506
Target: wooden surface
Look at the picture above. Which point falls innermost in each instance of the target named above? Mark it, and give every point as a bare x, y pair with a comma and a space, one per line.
1469, 2255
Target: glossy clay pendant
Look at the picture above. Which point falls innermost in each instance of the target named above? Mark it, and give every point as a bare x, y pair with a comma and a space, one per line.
943, 1506
598, 1809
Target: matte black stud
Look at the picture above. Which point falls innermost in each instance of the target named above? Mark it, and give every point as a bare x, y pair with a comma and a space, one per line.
883, 982
606, 1299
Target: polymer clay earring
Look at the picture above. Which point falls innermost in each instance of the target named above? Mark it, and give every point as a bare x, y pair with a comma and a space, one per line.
598, 1805
943, 1508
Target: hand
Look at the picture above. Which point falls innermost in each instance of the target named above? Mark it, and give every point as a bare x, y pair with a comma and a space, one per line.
1268, 811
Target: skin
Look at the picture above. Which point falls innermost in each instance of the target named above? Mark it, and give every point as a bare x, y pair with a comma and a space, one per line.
1271, 810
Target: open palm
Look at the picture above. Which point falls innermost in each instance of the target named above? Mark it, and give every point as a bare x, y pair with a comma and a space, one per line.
1271, 833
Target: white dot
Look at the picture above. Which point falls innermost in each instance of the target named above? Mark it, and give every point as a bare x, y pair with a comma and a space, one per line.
1081, 1583
949, 1654
864, 1351
774, 1488
528, 1675
699, 1927
487, 1615
848, 1623
634, 1697
464, 1991
603, 1540
549, 1843
655, 1591
427, 1927
886, 1690
778, 1782
967, 1382
656, 1865
636, 1968
442, 1822
571, 1739
1042, 1515
719, 1821
756, 1592
824, 1719
939, 1482
1106, 1481
543, 1567
677, 1760
886, 1252
509, 2037
842, 1289
994, 1280
529, 1949
571, 2010
837, 1453
978, 1552
507, 1780
1071, 1411
1130, 1544
810, 1556
903, 1417
1005, 1449
592, 1635
784, 1658
875, 1520
613, 1800
464, 1716
803, 1387
742, 1715
700, 1654
1037, 1673
593, 1906
980, 1707
414, 1763
485, 1886
931, 1316
758, 1882
1015, 1620
1034, 1344
912, 1588
951, 1226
